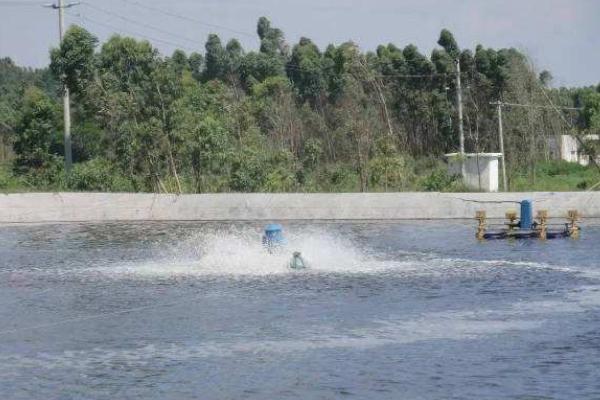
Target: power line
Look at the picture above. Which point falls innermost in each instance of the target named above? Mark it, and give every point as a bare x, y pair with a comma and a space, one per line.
187, 18
540, 106
407, 76
20, 4
115, 29
434, 75
290, 67
287, 67
148, 26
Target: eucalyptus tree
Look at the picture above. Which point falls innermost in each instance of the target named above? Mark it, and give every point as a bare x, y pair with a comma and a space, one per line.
226, 119
215, 58
73, 61
36, 135
272, 40
196, 65
305, 69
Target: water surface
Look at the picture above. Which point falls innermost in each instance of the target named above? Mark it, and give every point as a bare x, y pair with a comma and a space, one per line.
398, 310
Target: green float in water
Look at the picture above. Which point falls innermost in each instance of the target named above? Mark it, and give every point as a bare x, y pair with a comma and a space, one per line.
297, 262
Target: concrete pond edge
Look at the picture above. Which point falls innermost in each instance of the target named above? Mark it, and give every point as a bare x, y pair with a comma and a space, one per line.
31, 208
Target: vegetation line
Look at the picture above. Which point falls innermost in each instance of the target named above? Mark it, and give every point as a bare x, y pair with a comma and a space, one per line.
283, 118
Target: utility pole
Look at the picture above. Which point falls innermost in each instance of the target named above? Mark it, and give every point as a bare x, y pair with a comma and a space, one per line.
461, 131
499, 105
66, 100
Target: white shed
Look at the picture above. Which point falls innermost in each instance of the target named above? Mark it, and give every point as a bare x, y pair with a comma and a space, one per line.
481, 169
568, 148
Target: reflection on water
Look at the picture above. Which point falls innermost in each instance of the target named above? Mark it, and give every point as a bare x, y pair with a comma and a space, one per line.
161, 311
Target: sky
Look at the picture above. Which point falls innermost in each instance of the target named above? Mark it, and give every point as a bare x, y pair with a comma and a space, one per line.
562, 36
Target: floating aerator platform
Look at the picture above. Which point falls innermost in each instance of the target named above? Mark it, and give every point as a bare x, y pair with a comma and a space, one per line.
526, 226
274, 241
273, 237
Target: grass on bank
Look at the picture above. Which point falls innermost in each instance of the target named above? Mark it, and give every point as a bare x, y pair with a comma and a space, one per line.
421, 175
556, 176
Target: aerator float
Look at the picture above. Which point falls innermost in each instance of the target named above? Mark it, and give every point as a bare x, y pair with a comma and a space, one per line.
274, 242
273, 238
527, 227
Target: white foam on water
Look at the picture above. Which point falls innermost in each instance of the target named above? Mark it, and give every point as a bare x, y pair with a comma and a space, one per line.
434, 326
242, 254
237, 252
586, 296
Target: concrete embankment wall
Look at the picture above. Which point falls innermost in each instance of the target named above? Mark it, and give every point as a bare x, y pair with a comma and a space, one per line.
96, 207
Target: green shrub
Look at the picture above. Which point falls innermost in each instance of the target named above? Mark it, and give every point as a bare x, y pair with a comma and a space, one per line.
279, 180
7, 180
389, 172
96, 175
312, 152
339, 178
583, 185
51, 176
439, 180
248, 172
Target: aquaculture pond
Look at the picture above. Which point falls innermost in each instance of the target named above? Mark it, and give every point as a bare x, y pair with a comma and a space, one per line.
384, 311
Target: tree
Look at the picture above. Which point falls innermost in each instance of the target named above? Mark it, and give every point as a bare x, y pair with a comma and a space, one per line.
591, 110
36, 131
277, 113
388, 169
234, 120
444, 64
448, 43
196, 65
216, 59
127, 63
272, 41
545, 78
73, 61
416, 62
257, 67
305, 70
210, 151
179, 61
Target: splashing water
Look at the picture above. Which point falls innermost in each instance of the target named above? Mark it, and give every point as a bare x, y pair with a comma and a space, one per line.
241, 253
238, 252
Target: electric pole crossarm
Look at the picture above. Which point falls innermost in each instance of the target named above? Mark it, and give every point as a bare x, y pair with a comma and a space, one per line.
57, 6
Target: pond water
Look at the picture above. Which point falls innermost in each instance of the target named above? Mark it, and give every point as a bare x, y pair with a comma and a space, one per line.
384, 311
